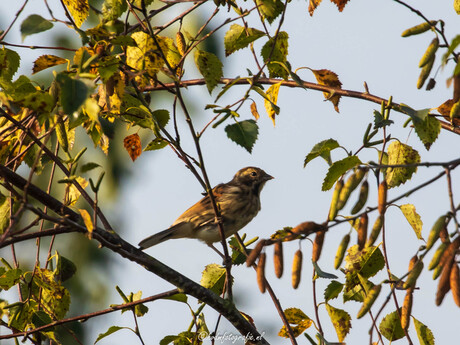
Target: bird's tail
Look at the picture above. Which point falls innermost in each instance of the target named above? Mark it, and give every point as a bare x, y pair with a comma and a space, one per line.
168, 234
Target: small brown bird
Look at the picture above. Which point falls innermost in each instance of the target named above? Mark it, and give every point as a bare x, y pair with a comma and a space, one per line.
237, 200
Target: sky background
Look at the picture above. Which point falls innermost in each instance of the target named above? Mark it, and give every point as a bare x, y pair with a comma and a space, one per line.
363, 43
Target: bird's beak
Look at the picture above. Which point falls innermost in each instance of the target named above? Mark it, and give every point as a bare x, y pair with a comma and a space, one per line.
268, 177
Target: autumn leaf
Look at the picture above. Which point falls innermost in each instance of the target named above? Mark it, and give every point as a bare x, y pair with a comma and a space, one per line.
46, 61
254, 111
340, 4
328, 78
271, 100
132, 144
445, 108
79, 9
87, 220
312, 6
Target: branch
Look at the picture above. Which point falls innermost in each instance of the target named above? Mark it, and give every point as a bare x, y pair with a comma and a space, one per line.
304, 84
91, 315
114, 242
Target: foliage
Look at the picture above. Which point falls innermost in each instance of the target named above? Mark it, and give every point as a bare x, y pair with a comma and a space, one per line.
109, 80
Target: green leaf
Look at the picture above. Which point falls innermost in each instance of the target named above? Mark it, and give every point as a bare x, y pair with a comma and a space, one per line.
161, 116
238, 37
379, 120
156, 144
40, 318
238, 258
210, 68
428, 130
122, 40
113, 9
416, 115
74, 93
413, 218
88, 167
213, 278
244, 133
424, 334
107, 67
322, 149
9, 64
4, 212
10, 278
270, 9
337, 169
320, 273
452, 46
276, 51
295, 315
367, 262
332, 290
179, 297
65, 268
34, 24
399, 153
341, 321
112, 329
390, 327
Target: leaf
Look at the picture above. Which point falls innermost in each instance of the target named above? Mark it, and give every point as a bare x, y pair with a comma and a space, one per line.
340, 4
9, 64
276, 51
9, 278
428, 130
132, 144
331, 79
113, 9
399, 153
424, 334
367, 262
296, 317
4, 213
74, 93
112, 329
79, 9
271, 100
179, 297
244, 133
312, 5
254, 111
337, 169
107, 67
210, 68
390, 327
65, 269
322, 149
321, 274
413, 218
238, 37
270, 9
213, 278
74, 193
88, 167
379, 120
87, 220
156, 144
122, 40
341, 321
34, 24
46, 61
332, 290
40, 318
161, 116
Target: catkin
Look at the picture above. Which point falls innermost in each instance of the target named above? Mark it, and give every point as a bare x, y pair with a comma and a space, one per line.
261, 272
278, 259
296, 268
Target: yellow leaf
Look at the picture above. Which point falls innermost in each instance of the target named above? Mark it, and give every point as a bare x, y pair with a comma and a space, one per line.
329, 78
74, 194
254, 111
79, 9
46, 61
132, 144
87, 220
270, 103
313, 5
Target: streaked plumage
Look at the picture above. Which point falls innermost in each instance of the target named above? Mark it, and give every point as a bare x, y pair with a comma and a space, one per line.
237, 200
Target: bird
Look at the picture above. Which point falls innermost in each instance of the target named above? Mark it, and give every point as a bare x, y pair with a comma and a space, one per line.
238, 202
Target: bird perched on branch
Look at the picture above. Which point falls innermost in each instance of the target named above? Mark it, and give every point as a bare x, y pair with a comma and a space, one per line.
238, 202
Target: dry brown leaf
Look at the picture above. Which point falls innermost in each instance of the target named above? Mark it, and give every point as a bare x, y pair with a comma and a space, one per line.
340, 4
328, 78
254, 111
132, 144
444, 110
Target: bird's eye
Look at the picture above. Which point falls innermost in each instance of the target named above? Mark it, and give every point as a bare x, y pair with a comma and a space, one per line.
254, 174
